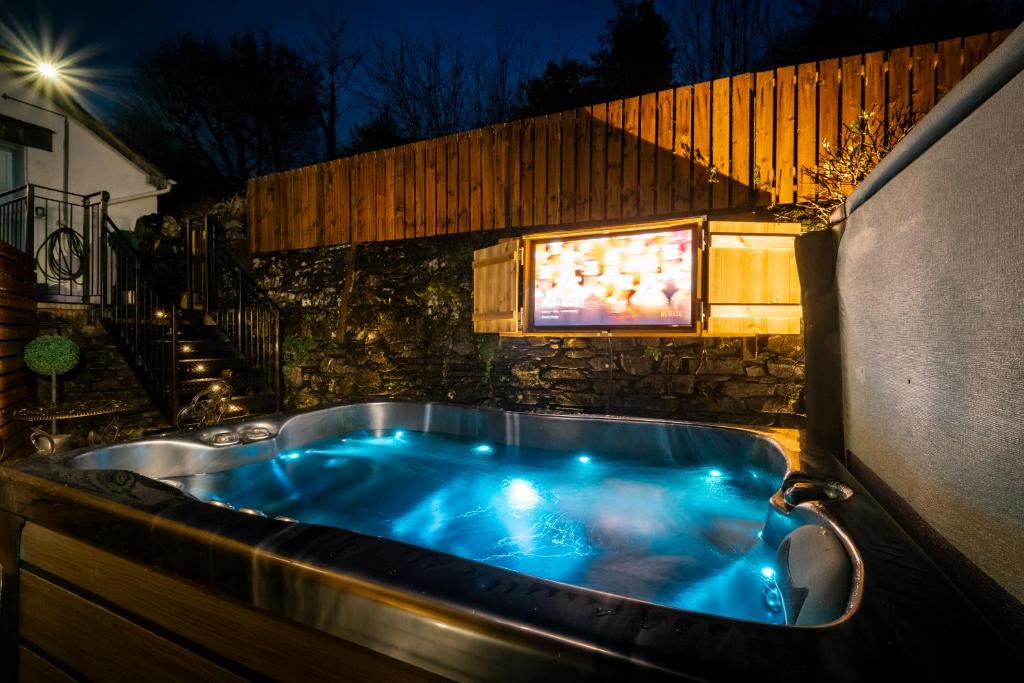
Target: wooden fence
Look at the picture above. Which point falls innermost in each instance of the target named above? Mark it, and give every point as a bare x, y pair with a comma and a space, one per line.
725, 145
17, 328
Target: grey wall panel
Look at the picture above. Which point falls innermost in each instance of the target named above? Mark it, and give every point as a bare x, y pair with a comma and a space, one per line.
931, 287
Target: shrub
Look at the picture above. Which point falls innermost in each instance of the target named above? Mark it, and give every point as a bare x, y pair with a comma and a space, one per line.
862, 145
51, 354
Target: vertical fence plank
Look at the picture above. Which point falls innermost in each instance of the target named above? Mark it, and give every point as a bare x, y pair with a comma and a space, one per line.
648, 154
922, 77
630, 156
567, 183
394, 202
344, 202
514, 210
554, 169
951, 64
475, 141
382, 220
430, 187
742, 183
413, 173
997, 37
598, 161
683, 163
464, 182
440, 157
487, 178
852, 85
764, 136
451, 220
501, 154
701, 132
720, 145
874, 83
322, 199
899, 81
976, 48
526, 170
329, 195
829, 104
664, 142
785, 131
362, 212
583, 128
540, 170
613, 155
420, 156
806, 128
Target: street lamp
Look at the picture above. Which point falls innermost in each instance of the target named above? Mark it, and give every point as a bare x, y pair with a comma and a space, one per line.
48, 70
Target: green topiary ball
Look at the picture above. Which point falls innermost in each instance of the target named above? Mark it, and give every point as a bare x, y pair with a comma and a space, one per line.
51, 354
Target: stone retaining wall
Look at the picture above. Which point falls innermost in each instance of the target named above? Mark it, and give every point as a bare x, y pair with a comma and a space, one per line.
408, 334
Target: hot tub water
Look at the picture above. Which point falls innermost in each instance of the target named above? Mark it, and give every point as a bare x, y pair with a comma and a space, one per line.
681, 536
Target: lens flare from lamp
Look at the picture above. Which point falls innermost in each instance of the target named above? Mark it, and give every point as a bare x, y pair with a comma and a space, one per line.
48, 70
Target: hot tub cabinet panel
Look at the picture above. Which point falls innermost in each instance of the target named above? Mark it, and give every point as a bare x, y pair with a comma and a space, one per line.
110, 574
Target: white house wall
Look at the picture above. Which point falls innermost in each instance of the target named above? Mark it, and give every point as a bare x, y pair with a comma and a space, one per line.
94, 164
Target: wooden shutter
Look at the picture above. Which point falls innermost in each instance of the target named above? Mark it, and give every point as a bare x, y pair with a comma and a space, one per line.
753, 286
496, 288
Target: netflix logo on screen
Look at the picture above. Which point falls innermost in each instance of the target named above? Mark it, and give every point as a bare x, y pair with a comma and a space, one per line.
634, 279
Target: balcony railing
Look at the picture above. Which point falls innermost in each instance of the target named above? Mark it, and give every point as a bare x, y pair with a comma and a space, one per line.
61, 232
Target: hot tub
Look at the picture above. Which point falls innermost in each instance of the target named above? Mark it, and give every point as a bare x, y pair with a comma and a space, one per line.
477, 544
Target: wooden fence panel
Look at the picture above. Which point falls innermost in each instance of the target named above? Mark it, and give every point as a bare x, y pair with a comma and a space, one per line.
664, 143
741, 147
701, 131
17, 328
648, 154
598, 161
785, 145
735, 144
807, 143
764, 137
719, 114
584, 128
682, 151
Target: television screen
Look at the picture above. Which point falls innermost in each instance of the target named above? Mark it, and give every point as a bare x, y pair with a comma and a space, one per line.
628, 279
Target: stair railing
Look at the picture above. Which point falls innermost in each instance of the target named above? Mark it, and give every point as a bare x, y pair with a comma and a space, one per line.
220, 285
142, 320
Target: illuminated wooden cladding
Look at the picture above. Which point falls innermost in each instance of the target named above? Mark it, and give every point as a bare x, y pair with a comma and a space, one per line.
752, 283
631, 159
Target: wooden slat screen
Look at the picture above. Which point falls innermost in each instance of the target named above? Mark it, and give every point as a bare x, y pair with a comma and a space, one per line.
731, 144
17, 328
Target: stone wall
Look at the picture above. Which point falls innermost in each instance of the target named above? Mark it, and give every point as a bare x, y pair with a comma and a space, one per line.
408, 334
102, 373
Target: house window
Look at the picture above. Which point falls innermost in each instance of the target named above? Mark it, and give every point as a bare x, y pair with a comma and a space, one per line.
12, 166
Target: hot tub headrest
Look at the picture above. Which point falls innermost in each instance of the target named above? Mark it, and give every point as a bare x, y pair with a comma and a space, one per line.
815, 577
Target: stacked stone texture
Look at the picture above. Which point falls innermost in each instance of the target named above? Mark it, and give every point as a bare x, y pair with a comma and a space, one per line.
409, 336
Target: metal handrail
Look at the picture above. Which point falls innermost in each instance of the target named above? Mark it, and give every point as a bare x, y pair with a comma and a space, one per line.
250, 318
140, 318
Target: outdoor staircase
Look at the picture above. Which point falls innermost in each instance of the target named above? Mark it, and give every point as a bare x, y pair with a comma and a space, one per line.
206, 356
213, 328
206, 323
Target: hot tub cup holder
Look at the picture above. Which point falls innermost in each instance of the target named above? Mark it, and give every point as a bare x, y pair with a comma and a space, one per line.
800, 488
252, 433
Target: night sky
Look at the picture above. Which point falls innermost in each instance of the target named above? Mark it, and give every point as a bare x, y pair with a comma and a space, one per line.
114, 32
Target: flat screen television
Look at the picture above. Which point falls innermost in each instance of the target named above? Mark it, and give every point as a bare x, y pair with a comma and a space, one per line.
630, 279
